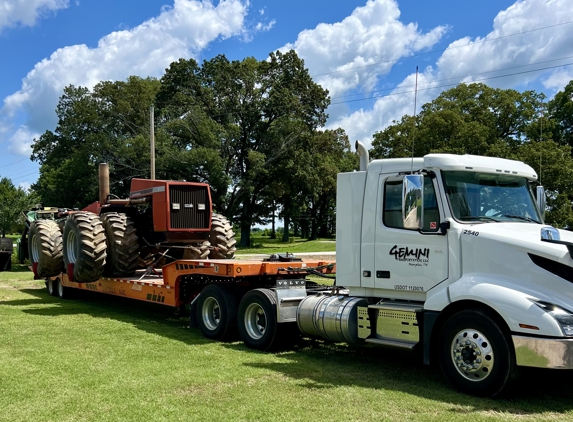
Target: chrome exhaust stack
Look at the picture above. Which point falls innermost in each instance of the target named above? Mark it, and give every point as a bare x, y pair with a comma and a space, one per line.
364, 157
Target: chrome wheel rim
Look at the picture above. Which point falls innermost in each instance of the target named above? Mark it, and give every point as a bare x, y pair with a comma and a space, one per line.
211, 312
35, 249
71, 247
255, 321
50, 284
472, 355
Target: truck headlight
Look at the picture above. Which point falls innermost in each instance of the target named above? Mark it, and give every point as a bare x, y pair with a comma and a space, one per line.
562, 316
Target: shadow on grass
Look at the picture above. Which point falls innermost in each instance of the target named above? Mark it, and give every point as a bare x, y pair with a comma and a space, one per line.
320, 365
149, 317
536, 391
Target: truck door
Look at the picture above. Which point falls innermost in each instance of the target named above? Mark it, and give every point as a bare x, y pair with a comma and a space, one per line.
408, 259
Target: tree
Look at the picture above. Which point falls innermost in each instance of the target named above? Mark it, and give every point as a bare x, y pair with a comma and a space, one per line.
477, 119
13, 200
253, 111
560, 109
467, 119
111, 125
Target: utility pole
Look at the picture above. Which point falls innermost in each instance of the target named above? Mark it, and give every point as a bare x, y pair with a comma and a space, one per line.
152, 140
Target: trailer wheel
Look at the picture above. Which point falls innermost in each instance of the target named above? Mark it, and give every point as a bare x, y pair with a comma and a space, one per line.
45, 248
197, 251
257, 320
217, 313
62, 291
475, 355
122, 244
222, 238
51, 287
84, 246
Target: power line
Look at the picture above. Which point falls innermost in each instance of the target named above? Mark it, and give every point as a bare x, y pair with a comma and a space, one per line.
453, 84
25, 175
15, 162
444, 49
465, 76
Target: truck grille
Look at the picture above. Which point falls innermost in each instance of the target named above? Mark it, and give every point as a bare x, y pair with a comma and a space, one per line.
185, 212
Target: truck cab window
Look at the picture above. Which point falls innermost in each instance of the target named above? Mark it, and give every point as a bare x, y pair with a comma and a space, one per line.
392, 208
489, 197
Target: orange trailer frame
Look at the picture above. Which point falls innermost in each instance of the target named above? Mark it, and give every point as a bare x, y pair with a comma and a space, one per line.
163, 286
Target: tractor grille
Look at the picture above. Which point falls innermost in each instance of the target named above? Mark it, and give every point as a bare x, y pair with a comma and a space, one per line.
185, 207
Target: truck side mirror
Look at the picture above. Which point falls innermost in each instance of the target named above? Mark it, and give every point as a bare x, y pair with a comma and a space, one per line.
541, 200
412, 201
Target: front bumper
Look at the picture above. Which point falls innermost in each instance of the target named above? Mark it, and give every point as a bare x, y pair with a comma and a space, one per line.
543, 352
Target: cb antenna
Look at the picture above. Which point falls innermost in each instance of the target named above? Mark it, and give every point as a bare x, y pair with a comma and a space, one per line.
541, 138
414, 134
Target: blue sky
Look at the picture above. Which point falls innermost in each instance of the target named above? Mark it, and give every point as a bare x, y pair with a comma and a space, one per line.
364, 51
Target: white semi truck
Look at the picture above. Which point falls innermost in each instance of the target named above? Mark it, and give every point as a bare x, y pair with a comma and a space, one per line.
449, 255
446, 255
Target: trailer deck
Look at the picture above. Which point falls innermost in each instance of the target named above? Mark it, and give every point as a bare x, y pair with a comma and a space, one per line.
163, 285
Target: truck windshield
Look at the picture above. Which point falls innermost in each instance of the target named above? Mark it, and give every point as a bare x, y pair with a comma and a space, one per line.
490, 197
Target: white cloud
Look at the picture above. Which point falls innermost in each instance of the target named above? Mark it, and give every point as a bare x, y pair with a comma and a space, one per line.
355, 52
180, 31
27, 12
481, 59
21, 141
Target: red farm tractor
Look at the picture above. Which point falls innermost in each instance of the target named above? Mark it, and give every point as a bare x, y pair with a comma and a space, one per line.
161, 221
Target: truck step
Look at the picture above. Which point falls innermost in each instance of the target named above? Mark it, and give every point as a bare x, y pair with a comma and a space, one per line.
397, 306
392, 343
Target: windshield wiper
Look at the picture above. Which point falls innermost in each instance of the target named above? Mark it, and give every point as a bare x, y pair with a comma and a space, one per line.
521, 217
478, 218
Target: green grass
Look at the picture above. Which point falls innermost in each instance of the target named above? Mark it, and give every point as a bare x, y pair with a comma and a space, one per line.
99, 358
265, 245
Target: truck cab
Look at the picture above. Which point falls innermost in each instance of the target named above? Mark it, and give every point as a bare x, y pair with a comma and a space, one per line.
450, 249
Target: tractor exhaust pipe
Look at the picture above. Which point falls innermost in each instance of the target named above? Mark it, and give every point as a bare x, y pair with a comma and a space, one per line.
103, 183
364, 157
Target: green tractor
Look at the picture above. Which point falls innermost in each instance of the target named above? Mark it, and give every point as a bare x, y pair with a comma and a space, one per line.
51, 214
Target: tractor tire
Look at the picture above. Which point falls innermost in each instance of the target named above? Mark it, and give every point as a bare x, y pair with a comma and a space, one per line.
84, 246
45, 248
222, 238
122, 245
198, 251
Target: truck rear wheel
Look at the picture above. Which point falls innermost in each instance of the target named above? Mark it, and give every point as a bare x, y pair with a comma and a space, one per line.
84, 246
475, 355
217, 313
45, 248
122, 244
222, 238
257, 320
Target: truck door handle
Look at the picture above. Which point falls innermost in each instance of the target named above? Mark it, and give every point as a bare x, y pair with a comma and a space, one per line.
382, 274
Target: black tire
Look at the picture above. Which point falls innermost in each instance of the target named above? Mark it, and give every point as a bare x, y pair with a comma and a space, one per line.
475, 354
198, 251
217, 313
45, 248
257, 321
122, 245
222, 238
84, 246
51, 286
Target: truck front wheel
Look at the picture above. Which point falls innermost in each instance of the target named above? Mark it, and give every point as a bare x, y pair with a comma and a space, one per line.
217, 313
475, 355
